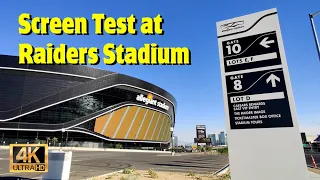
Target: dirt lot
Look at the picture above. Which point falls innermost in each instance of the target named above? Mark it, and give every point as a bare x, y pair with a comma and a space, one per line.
150, 174
317, 171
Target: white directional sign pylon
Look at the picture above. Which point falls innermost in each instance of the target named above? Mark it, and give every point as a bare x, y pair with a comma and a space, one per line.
263, 134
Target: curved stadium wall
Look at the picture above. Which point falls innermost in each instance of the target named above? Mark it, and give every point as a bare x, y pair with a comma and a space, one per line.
80, 104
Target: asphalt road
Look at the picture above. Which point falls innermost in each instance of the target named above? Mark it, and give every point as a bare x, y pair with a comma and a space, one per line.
89, 164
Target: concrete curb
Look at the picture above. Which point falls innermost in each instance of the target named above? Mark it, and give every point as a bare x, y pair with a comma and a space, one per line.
101, 149
223, 170
103, 175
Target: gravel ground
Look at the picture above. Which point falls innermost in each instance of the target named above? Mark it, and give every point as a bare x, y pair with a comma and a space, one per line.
146, 175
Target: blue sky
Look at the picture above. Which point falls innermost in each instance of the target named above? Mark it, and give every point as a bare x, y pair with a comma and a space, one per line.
197, 87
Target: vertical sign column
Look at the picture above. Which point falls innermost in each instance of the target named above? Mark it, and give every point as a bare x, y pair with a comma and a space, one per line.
263, 134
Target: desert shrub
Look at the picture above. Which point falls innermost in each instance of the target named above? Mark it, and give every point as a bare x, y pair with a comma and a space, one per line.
127, 171
191, 173
152, 173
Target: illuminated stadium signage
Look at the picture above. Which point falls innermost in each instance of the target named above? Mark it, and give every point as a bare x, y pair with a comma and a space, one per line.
149, 100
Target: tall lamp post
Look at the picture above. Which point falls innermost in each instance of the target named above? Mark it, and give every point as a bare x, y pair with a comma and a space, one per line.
311, 16
171, 130
62, 130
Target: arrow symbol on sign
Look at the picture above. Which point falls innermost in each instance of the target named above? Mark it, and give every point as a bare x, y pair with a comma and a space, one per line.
265, 43
273, 78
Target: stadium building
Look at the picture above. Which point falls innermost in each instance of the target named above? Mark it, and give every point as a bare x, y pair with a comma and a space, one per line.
81, 106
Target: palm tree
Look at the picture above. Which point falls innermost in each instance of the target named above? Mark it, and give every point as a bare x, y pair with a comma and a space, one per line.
54, 140
36, 141
119, 146
48, 139
199, 148
209, 148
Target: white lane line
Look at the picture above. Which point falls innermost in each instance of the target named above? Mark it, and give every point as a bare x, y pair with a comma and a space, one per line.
8, 173
72, 172
77, 160
90, 155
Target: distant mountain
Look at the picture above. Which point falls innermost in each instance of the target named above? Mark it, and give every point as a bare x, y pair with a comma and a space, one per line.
184, 143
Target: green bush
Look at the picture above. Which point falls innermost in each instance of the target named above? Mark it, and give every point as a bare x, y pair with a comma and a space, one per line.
119, 146
36, 140
208, 148
223, 151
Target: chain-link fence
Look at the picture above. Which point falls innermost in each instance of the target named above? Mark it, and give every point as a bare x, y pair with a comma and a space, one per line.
64, 140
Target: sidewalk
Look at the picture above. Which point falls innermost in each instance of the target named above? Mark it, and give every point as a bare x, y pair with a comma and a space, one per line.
314, 176
102, 149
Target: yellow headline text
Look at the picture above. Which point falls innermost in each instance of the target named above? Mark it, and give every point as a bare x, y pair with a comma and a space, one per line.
149, 54
110, 54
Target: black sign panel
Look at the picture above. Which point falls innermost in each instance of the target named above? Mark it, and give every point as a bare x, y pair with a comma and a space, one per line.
258, 100
202, 140
201, 131
303, 137
250, 52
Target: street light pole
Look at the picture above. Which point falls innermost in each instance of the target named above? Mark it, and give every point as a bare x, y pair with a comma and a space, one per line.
311, 16
62, 130
172, 138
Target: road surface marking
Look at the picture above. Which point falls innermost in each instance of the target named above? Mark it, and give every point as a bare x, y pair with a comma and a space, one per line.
9, 173
89, 155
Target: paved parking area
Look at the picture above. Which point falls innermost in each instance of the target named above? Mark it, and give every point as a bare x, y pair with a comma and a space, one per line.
88, 164
316, 157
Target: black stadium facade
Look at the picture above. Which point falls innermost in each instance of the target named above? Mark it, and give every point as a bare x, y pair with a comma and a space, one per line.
80, 104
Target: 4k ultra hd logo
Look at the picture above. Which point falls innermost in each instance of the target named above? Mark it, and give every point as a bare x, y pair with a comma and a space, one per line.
28, 158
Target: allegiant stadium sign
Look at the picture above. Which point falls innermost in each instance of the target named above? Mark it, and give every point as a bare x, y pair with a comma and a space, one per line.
149, 100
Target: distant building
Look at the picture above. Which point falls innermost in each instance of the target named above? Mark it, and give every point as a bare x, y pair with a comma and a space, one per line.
222, 138
226, 139
175, 141
213, 139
